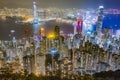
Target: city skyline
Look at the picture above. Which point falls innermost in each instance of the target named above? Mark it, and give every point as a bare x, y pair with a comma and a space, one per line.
59, 40
61, 3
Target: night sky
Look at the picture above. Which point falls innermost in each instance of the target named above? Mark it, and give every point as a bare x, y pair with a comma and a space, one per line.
111, 21
61, 3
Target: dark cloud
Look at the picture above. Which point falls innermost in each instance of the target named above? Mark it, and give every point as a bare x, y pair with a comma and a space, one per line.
60, 3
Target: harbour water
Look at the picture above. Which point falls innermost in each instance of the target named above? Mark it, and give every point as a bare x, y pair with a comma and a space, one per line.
9, 25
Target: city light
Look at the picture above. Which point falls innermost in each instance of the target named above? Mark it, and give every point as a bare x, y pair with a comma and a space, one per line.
51, 35
101, 6
59, 43
53, 51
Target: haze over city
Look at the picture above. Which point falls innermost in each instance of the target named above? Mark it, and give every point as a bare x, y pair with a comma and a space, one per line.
60, 3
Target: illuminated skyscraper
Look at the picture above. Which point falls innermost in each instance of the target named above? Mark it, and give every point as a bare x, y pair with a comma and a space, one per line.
100, 18
35, 10
57, 32
42, 32
78, 26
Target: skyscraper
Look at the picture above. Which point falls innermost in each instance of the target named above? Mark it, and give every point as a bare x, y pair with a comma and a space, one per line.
100, 19
57, 32
35, 10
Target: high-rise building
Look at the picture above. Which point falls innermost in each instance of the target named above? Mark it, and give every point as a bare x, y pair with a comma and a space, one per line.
57, 32
35, 10
78, 26
100, 18
42, 32
40, 57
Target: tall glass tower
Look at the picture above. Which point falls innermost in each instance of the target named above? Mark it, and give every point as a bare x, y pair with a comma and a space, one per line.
35, 10
100, 19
